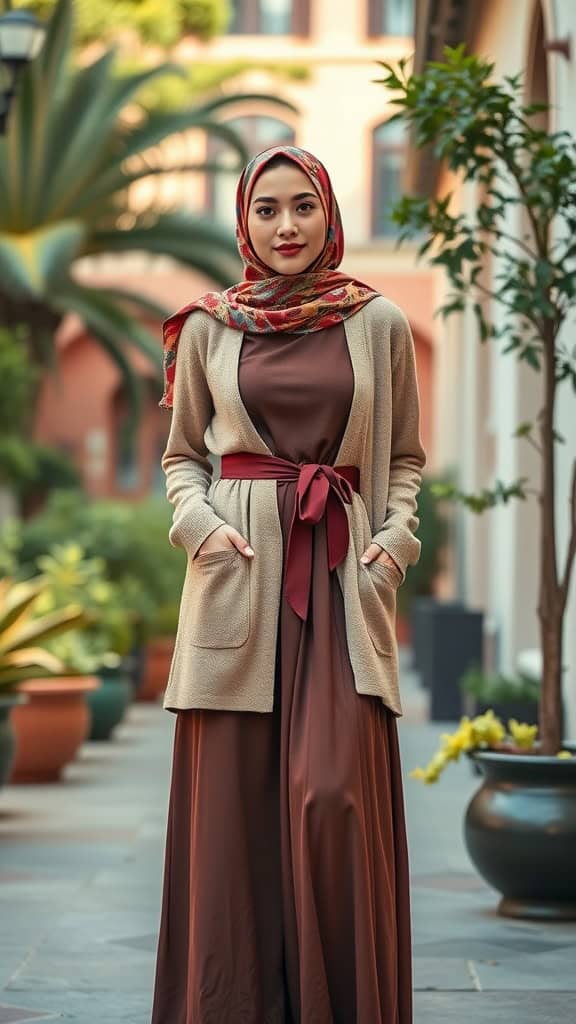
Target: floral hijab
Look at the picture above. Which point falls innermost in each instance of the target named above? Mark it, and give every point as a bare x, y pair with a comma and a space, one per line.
265, 302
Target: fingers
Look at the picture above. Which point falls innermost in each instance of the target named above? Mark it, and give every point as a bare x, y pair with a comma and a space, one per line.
238, 541
372, 552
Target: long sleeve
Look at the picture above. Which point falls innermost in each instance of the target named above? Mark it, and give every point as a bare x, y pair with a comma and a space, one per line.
185, 463
407, 456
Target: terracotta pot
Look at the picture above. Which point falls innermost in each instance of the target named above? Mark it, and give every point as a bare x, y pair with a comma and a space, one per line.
50, 727
157, 659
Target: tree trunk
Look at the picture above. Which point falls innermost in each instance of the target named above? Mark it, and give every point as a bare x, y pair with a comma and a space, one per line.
551, 718
550, 611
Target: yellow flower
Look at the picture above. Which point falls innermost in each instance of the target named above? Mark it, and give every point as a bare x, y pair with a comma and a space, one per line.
488, 729
433, 770
564, 755
522, 734
453, 744
467, 733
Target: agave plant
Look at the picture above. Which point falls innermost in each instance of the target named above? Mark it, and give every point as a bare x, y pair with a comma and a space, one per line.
23, 633
76, 143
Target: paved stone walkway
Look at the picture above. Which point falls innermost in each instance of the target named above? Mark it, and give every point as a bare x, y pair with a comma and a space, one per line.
80, 876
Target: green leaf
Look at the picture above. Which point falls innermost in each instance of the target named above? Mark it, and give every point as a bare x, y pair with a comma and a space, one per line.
125, 297
192, 241
483, 326
33, 264
531, 356
44, 628
523, 430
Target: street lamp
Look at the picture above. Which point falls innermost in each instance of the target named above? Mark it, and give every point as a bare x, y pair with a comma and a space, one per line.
21, 39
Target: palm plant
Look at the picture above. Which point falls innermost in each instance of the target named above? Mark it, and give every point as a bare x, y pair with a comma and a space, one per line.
75, 145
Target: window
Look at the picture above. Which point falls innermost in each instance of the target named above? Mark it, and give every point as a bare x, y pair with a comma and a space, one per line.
127, 450
258, 133
127, 464
389, 156
270, 17
390, 17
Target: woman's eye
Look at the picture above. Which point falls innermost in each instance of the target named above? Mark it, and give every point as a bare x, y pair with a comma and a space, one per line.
306, 207
264, 211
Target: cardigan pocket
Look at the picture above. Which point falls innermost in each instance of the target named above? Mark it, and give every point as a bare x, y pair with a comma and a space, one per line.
219, 609
377, 586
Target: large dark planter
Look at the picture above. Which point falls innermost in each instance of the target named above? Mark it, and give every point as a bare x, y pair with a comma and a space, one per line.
449, 641
108, 703
7, 738
520, 832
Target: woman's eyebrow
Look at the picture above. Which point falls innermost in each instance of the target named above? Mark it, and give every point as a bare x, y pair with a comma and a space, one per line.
271, 199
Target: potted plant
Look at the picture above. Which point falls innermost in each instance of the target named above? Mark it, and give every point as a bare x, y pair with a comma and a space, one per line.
507, 696
132, 542
522, 814
159, 651
524, 222
26, 668
106, 639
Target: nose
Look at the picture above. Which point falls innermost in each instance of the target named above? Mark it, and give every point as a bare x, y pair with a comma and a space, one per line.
286, 224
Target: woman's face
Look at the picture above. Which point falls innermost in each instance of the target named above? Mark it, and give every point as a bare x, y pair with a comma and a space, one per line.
286, 222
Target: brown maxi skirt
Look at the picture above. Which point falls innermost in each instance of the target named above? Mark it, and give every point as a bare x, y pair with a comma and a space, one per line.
286, 892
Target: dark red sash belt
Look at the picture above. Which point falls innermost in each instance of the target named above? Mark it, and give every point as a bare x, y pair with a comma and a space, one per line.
321, 490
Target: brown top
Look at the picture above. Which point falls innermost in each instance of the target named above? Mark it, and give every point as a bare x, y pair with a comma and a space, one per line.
303, 411
298, 389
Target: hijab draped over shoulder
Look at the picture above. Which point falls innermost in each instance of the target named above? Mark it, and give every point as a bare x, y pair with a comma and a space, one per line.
265, 302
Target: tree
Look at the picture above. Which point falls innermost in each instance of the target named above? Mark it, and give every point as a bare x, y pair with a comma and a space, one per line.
76, 143
526, 220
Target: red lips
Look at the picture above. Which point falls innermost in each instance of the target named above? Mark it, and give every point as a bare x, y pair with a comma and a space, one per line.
288, 250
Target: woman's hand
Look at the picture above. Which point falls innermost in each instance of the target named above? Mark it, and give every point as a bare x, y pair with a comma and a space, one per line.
225, 538
374, 553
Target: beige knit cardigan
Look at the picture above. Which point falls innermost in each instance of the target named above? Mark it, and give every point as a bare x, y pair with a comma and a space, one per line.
225, 652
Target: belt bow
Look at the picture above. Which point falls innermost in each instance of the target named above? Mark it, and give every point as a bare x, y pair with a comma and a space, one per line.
321, 490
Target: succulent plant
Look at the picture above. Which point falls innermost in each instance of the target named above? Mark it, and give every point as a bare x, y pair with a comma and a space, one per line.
23, 633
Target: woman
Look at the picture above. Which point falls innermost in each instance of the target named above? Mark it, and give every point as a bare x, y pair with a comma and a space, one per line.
286, 876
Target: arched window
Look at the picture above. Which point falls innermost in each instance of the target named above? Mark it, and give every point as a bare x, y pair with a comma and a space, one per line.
390, 17
270, 17
389, 156
258, 133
